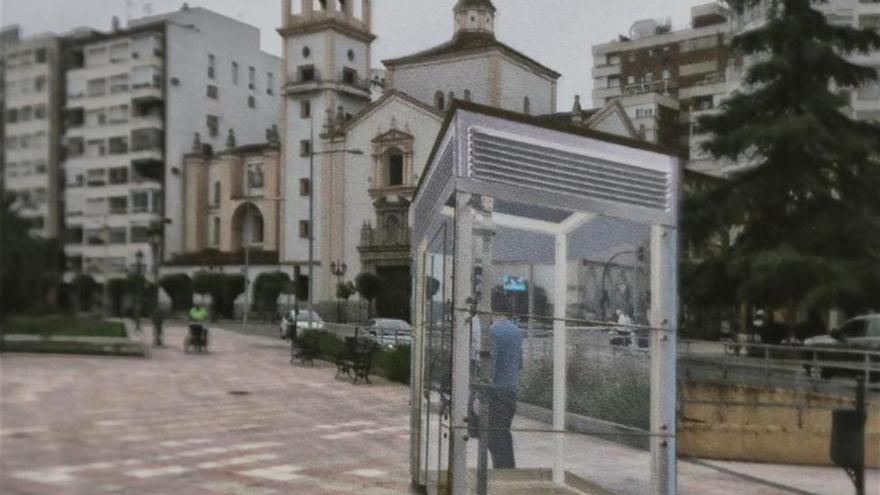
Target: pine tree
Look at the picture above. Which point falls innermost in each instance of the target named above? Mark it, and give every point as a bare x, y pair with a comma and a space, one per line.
804, 211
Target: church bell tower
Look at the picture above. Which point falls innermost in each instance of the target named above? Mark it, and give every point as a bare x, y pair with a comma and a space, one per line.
474, 16
327, 61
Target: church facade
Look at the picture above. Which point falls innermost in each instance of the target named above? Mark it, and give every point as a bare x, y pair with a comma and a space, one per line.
368, 155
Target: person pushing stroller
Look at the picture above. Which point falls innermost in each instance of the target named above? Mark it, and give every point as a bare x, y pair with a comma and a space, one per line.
198, 334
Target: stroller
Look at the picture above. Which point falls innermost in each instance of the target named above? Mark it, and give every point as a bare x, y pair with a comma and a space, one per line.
197, 340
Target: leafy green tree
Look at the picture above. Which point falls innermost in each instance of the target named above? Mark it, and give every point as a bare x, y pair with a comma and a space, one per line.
267, 288
369, 286
179, 288
30, 267
803, 214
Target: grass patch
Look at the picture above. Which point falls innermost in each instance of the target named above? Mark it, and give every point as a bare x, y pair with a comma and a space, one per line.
123, 348
62, 326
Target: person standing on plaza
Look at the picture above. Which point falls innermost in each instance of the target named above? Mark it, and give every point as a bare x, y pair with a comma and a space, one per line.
505, 363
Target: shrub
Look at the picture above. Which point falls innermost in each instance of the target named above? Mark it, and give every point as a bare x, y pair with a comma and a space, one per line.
394, 363
179, 288
267, 288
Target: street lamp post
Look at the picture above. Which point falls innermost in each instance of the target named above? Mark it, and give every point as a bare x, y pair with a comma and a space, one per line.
138, 270
339, 268
312, 154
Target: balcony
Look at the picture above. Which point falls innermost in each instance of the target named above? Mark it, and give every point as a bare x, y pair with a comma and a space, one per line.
606, 70
311, 79
665, 87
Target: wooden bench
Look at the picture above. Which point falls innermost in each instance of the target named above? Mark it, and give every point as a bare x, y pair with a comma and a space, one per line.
357, 359
306, 349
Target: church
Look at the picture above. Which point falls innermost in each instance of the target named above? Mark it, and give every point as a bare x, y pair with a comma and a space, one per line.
361, 155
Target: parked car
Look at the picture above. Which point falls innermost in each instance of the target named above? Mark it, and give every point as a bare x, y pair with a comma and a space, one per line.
294, 324
861, 333
389, 332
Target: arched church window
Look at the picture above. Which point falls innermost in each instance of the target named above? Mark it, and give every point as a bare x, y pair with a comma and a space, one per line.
439, 100
217, 193
395, 167
451, 97
256, 228
215, 234
392, 230
527, 105
306, 52
467, 95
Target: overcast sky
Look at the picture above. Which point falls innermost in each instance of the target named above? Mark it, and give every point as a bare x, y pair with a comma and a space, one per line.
557, 33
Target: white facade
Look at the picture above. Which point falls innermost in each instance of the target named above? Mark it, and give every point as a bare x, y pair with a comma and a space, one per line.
140, 96
327, 77
354, 199
31, 90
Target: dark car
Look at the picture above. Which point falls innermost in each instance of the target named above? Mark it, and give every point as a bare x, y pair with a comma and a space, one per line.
858, 334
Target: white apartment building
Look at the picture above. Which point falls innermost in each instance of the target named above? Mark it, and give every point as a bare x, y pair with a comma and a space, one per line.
31, 87
137, 100
657, 72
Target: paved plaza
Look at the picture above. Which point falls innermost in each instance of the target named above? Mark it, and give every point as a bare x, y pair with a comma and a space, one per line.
239, 420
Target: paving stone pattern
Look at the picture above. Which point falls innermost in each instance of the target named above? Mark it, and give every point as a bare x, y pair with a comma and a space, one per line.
81, 425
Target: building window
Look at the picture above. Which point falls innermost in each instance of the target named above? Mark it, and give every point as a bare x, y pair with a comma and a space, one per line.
40, 56
39, 83
395, 167
139, 233
613, 82
217, 190
269, 82
305, 187
440, 100
118, 145
252, 78
118, 175
467, 95
140, 202
351, 55
213, 123
252, 102
305, 147
304, 229
349, 76
213, 91
212, 71
119, 84
305, 109
306, 52
256, 227
235, 73
527, 106
118, 205
306, 73
215, 232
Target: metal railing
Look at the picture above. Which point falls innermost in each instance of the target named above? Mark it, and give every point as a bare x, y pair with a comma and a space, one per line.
802, 368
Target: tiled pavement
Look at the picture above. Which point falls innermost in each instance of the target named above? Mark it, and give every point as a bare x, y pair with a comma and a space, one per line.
239, 420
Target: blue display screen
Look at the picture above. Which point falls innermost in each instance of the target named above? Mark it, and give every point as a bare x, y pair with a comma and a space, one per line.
514, 284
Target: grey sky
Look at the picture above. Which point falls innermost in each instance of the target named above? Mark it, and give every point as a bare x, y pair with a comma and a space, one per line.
559, 33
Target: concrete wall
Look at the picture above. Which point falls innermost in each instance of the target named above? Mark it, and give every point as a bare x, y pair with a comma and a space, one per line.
757, 432
518, 81
422, 81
